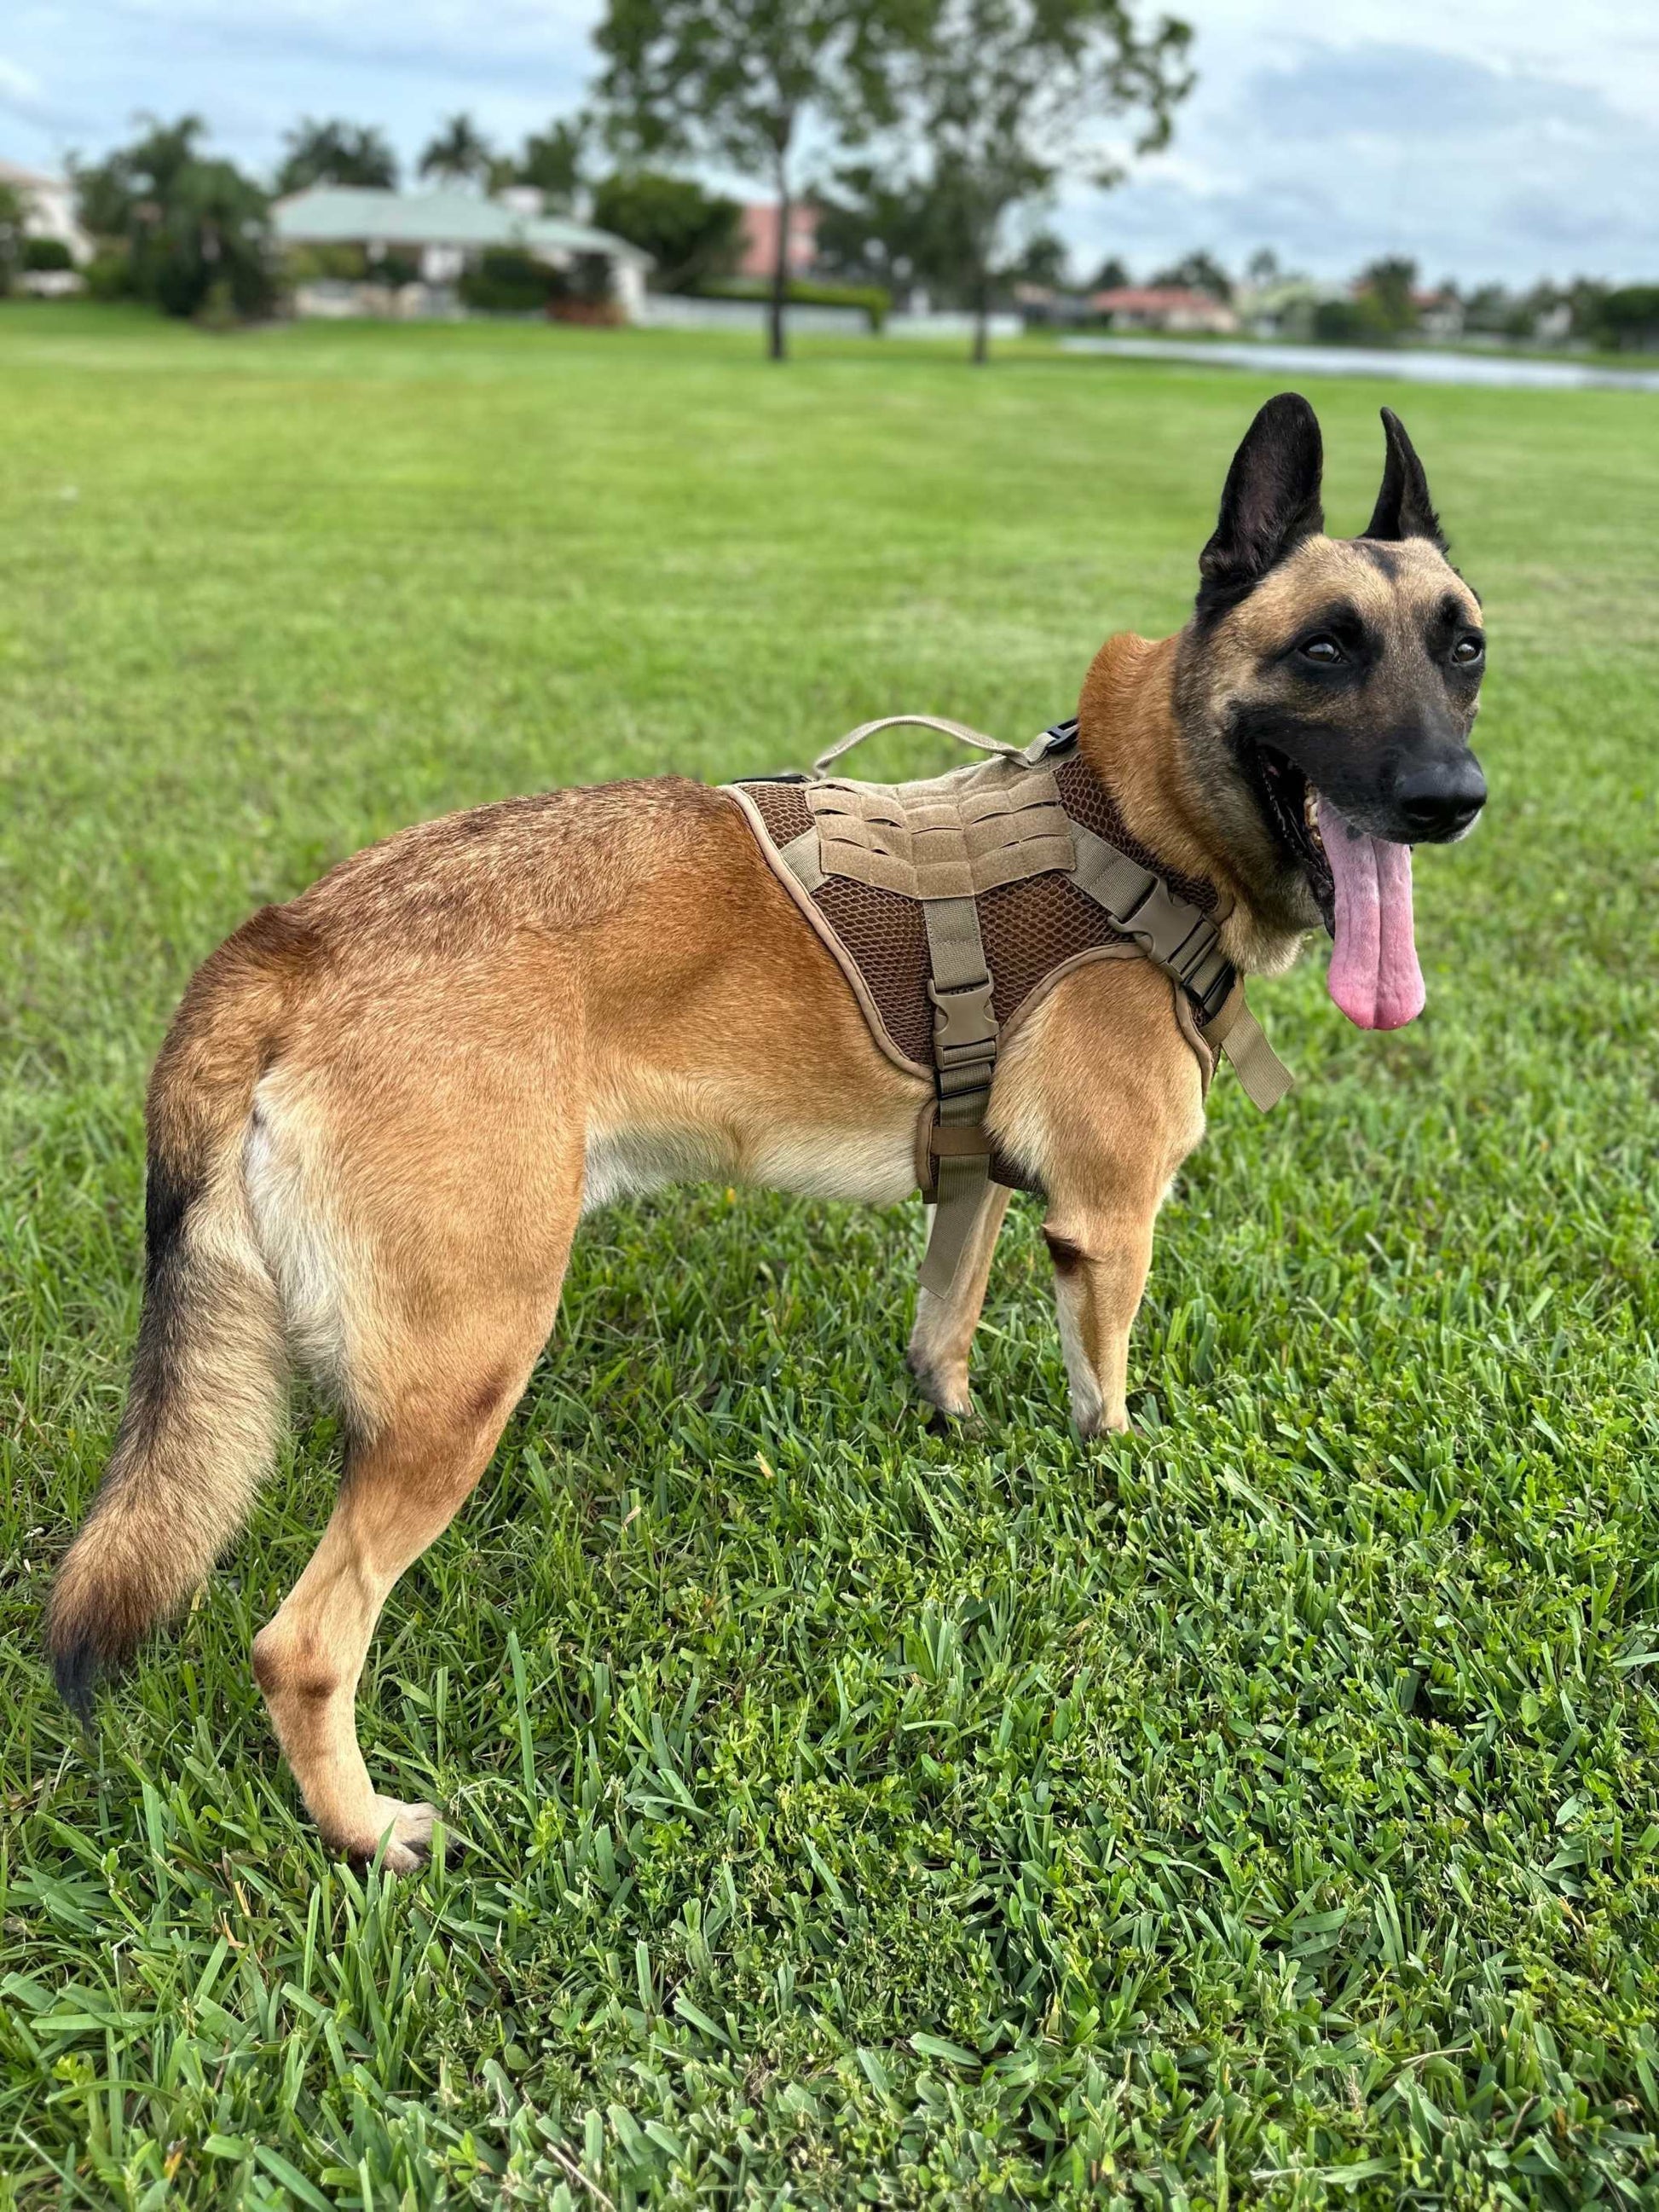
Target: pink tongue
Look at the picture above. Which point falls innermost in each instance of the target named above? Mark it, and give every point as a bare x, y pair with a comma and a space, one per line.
1374, 975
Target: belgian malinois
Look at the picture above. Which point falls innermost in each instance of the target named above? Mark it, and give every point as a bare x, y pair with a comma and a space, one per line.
383, 1107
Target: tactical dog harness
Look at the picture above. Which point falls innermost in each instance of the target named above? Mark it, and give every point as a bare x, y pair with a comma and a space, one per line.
953, 906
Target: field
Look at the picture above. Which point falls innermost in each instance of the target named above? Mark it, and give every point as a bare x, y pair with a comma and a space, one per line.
1262, 1809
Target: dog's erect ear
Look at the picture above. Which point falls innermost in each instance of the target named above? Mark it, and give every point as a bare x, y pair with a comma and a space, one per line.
1404, 508
1271, 502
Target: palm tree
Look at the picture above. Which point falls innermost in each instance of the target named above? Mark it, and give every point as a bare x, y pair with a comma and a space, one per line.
460, 150
335, 153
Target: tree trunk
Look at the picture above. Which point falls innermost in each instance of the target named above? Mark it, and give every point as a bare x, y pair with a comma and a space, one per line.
777, 341
981, 317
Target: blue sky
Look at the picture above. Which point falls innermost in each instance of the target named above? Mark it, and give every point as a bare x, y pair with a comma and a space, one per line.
1501, 138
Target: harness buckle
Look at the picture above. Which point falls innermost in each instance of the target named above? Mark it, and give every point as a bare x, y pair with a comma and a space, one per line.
964, 1027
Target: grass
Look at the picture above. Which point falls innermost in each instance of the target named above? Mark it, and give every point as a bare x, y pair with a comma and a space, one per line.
1261, 1810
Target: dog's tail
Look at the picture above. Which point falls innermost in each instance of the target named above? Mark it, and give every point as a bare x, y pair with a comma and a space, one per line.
209, 1378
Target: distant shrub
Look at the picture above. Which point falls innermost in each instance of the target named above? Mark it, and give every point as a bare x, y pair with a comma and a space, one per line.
1629, 317
311, 265
109, 275
874, 300
1353, 322
507, 283
46, 253
395, 269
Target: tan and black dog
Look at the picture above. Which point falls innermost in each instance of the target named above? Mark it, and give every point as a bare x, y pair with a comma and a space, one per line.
383, 1109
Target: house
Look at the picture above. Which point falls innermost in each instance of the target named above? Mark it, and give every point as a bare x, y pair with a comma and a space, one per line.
1169, 308
444, 231
1439, 315
760, 238
51, 204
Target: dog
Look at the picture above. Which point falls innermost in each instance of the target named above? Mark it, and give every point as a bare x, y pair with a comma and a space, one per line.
383, 1109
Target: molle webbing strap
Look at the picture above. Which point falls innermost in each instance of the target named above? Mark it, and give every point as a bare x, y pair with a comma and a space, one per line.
955, 838
964, 1056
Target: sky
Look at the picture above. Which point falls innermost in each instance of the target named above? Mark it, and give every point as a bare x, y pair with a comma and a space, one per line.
1495, 140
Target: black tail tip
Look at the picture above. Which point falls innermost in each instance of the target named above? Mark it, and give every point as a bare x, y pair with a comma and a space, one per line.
76, 1667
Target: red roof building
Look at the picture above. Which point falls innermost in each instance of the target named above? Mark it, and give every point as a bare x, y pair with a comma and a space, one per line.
760, 238
1164, 307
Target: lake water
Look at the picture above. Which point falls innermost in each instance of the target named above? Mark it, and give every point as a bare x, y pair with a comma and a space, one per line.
1407, 364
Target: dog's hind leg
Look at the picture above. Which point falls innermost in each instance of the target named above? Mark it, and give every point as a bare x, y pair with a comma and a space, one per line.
402, 1488
945, 1325
430, 1238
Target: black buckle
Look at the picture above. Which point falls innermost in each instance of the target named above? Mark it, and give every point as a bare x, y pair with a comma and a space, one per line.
1211, 1001
1058, 737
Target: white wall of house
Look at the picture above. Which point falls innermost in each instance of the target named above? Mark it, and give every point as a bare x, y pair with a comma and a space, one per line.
50, 208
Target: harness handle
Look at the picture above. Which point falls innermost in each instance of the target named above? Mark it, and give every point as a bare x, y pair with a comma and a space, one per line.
960, 731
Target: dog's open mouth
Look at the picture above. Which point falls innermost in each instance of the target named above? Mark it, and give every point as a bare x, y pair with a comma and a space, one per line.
1292, 806
1363, 887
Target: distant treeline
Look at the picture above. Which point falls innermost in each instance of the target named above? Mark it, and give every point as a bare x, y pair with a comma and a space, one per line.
191, 232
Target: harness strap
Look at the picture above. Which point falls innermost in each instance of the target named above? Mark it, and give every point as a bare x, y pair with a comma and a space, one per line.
965, 1032
1177, 937
1262, 1075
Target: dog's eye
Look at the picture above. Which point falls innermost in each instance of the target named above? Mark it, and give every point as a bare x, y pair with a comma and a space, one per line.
1323, 650
1468, 649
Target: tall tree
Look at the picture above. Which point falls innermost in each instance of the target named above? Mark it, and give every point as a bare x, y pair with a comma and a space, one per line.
335, 153
193, 230
1389, 285
552, 160
1197, 273
874, 230
1005, 96
736, 82
459, 152
690, 234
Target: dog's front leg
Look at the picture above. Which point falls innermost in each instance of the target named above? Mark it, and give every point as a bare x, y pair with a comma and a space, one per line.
944, 1332
1101, 1261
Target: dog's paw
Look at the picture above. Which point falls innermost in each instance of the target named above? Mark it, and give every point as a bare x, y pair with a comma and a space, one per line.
408, 1832
947, 1394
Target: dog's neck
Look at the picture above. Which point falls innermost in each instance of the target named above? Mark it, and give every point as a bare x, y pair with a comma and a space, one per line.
1129, 732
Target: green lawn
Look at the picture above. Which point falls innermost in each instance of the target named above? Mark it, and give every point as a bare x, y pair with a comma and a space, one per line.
1264, 1809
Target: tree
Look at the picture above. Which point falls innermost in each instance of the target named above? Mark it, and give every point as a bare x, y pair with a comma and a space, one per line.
193, 231
460, 152
734, 82
14, 220
1197, 273
1389, 285
873, 231
552, 160
690, 234
1629, 317
1005, 96
335, 153
1042, 260
1112, 275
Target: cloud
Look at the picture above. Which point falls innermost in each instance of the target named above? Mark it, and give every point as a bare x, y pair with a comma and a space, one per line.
1412, 92
1348, 152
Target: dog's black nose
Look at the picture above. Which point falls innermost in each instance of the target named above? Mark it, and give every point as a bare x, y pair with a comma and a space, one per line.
1438, 799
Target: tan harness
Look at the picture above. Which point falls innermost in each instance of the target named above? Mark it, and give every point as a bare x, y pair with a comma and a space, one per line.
952, 906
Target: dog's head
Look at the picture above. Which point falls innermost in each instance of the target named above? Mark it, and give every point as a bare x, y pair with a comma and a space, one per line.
1326, 687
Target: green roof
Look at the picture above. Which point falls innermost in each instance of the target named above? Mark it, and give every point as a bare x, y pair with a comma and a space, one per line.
353, 215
